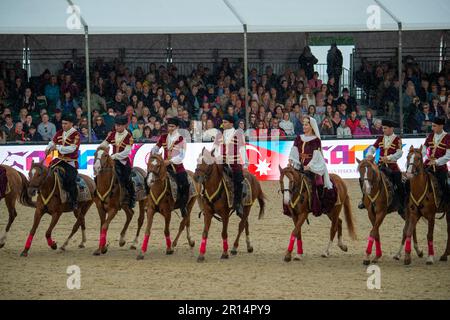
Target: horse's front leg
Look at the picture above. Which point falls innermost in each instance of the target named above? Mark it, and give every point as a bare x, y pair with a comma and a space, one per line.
150, 214
167, 215
37, 219
207, 214
290, 248
372, 217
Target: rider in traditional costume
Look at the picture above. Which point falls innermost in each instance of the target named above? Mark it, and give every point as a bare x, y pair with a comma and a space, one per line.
66, 142
174, 145
122, 141
306, 156
229, 150
390, 146
438, 144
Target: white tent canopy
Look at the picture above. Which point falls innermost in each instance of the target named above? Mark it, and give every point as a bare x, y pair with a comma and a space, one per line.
214, 16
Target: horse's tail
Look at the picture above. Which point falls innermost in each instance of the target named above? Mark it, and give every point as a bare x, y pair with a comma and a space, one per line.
349, 218
25, 198
262, 203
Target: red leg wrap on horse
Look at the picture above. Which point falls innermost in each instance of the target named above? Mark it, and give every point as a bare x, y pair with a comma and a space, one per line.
370, 245
378, 248
408, 245
168, 242
299, 246
145, 243
291, 243
29, 240
203, 246
50, 241
103, 237
430, 248
225, 245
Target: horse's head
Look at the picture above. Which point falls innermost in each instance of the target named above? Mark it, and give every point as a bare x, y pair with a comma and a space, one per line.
414, 162
204, 166
369, 174
37, 174
155, 168
289, 179
102, 160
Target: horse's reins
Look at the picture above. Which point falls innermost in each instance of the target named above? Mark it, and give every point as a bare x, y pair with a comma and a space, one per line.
108, 192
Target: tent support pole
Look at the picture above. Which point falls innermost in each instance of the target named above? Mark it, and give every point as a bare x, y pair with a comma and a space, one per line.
88, 81
247, 123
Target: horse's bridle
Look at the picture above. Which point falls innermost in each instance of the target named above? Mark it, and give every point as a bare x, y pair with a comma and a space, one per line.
377, 177
155, 173
414, 166
42, 179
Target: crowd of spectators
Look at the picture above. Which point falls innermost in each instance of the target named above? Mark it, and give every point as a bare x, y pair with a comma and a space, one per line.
31, 110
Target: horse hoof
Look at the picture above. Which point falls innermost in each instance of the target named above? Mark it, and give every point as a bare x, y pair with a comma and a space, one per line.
407, 262
104, 250
24, 254
233, 252
133, 247
169, 251
201, 259
81, 246
429, 263
2, 245
325, 255
224, 256
344, 248
192, 244
54, 246
443, 258
366, 262
122, 243
96, 252
250, 249
140, 256
298, 258
61, 250
287, 259
396, 257
420, 254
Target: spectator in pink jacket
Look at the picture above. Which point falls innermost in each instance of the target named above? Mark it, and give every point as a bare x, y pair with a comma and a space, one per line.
362, 130
315, 83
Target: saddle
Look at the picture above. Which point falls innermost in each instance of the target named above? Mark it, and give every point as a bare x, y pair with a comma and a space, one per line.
174, 187
229, 189
84, 194
139, 185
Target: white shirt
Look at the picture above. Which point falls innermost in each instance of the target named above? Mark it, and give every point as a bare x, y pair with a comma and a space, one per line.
228, 136
118, 138
387, 141
64, 149
436, 139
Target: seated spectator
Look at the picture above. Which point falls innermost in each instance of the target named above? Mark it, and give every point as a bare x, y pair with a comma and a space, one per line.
343, 131
369, 118
315, 83
97, 103
377, 128
309, 96
425, 118
215, 117
336, 120
133, 124
84, 134
8, 128
22, 115
57, 119
326, 128
67, 104
146, 135
2, 137
32, 134
109, 119
342, 109
100, 128
28, 123
157, 131
19, 134
436, 108
287, 125
348, 100
275, 132
52, 92
362, 130
211, 132
70, 85
46, 129
312, 113
172, 111
137, 133
352, 122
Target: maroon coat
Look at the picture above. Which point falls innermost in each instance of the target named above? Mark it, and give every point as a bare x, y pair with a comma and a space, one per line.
389, 150
119, 147
306, 149
73, 139
436, 151
162, 142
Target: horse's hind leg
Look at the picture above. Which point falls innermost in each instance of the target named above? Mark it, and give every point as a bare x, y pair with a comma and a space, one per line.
399, 253
180, 230
298, 228
341, 244
12, 214
48, 235
447, 250
75, 228
188, 231
140, 223
225, 219
129, 215
242, 225
247, 237
416, 245
334, 217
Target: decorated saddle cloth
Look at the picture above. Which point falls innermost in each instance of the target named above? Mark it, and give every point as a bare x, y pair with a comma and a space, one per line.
84, 193
229, 190
174, 188
319, 202
4, 186
139, 184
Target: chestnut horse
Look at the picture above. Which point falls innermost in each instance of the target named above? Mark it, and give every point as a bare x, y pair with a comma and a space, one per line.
161, 200
108, 200
375, 197
214, 201
296, 190
44, 180
18, 185
421, 203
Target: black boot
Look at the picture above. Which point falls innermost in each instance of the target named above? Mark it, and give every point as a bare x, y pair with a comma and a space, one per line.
238, 180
